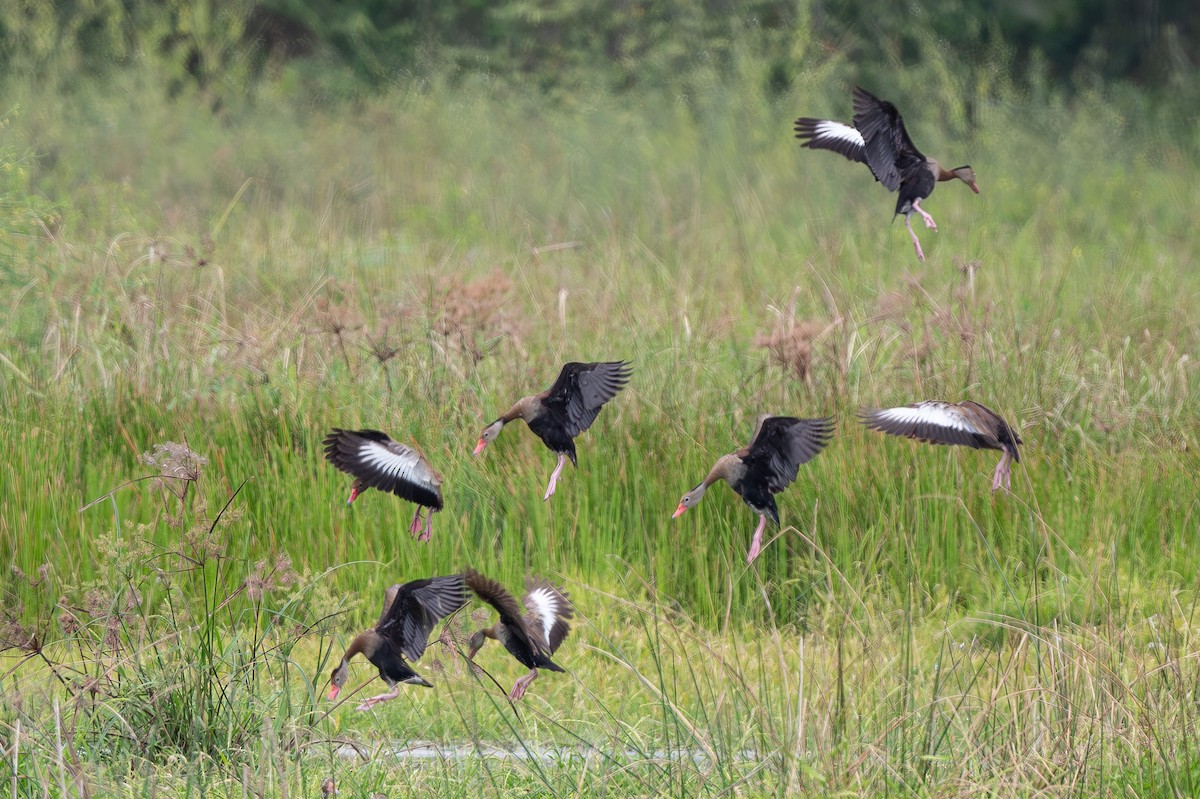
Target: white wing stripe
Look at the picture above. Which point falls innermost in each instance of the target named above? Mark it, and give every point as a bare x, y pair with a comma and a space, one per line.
545, 606
927, 413
828, 129
380, 459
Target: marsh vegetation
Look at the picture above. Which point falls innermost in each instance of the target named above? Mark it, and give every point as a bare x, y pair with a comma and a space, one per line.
195, 292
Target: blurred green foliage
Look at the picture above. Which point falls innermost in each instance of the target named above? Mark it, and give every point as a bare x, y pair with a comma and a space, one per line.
222, 46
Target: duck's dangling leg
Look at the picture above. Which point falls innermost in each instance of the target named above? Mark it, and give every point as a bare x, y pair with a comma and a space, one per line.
367, 704
562, 460
1003, 473
913, 233
929, 223
522, 683
756, 541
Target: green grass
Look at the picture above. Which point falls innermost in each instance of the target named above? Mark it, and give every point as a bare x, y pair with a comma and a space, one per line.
231, 281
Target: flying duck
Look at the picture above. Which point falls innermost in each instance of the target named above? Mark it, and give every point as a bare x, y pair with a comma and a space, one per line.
376, 461
410, 612
967, 423
879, 140
564, 410
531, 637
765, 466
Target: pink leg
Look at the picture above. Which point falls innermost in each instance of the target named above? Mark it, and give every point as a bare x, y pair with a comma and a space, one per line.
916, 242
756, 541
415, 526
562, 460
375, 700
1003, 474
929, 223
522, 683
428, 527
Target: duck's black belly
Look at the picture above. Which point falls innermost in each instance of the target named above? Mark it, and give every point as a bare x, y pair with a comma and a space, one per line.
553, 434
392, 667
759, 499
917, 185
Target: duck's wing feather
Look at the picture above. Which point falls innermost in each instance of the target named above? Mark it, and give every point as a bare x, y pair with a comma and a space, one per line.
889, 151
496, 595
581, 391
389, 596
827, 134
931, 421
547, 609
417, 607
781, 445
379, 462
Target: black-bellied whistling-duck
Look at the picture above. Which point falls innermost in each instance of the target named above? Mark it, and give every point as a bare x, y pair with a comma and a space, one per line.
967, 423
530, 638
564, 410
409, 613
766, 466
376, 461
879, 140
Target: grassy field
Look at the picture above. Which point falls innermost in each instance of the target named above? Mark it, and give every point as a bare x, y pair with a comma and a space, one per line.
241, 282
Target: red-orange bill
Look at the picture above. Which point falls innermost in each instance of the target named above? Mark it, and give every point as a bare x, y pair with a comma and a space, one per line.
679, 511
479, 447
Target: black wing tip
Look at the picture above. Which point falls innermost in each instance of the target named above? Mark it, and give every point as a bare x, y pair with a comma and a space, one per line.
814, 423
806, 128
621, 370
868, 416
346, 434
820, 428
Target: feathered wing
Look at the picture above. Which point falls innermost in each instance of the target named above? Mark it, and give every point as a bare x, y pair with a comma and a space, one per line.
582, 389
379, 462
389, 596
889, 151
547, 609
417, 608
933, 422
781, 445
826, 134
496, 595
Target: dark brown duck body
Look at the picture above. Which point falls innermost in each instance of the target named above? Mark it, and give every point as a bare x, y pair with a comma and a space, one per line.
563, 411
530, 637
879, 139
764, 467
409, 614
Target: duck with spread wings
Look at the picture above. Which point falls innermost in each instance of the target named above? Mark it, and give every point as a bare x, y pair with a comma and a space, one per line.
879, 139
967, 423
764, 467
410, 612
530, 637
563, 411
376, 461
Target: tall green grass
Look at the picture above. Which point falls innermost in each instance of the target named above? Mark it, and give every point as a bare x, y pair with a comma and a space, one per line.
417, 261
